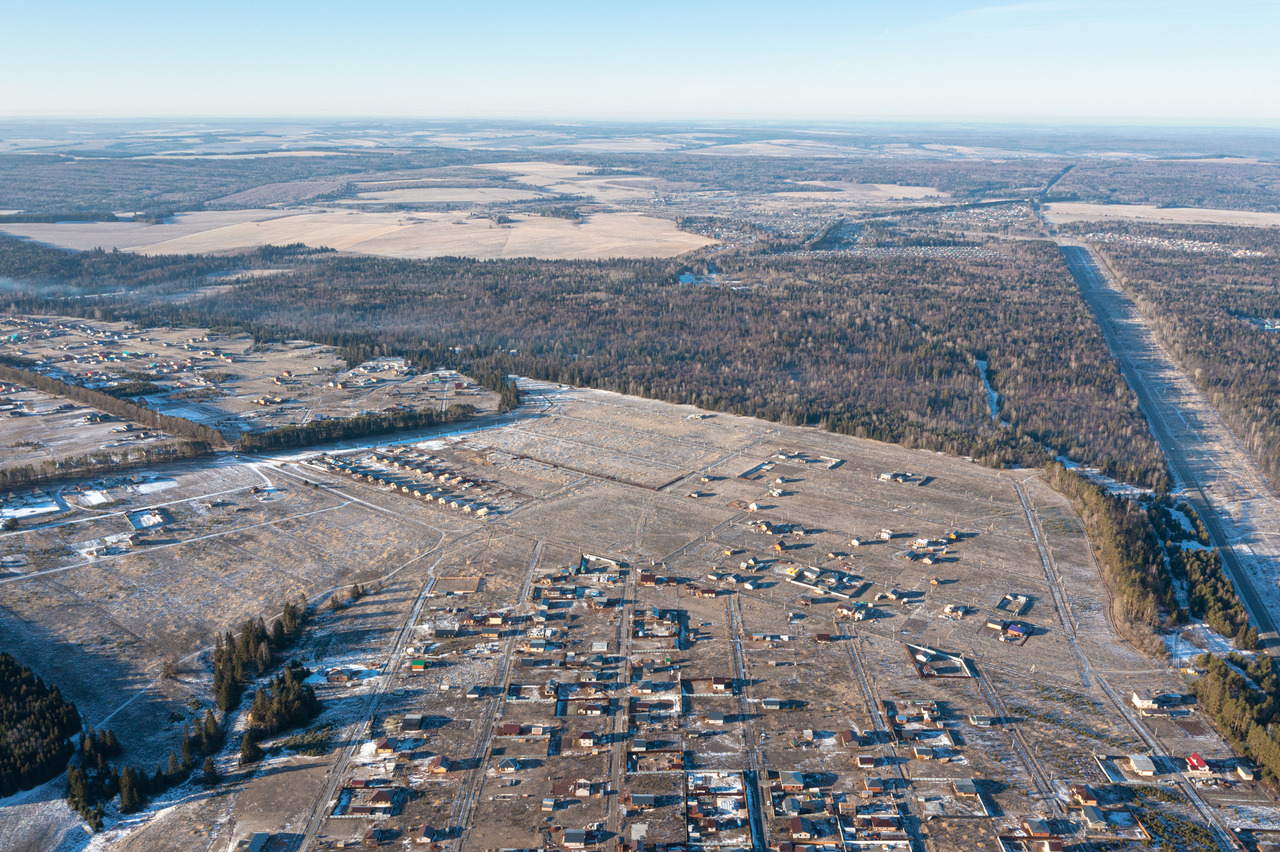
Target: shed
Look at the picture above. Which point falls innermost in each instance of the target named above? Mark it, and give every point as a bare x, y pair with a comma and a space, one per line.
966, 787
1037, 828
1094, 818
1142, 765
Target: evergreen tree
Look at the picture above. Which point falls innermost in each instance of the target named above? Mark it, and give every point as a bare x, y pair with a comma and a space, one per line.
210, 772
250, 751
130, 797
211, 734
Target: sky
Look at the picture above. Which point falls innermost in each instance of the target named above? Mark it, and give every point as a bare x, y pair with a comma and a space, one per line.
1129, 61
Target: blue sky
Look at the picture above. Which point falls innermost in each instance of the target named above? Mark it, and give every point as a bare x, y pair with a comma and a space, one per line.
1127, 61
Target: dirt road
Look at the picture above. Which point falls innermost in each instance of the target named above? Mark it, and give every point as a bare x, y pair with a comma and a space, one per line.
1219, 477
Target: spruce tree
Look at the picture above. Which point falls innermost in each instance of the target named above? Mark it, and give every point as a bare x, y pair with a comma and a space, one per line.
210, 772
211, 735
130, 800
250, 751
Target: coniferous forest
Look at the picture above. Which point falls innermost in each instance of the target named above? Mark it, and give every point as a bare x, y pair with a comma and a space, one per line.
36, 727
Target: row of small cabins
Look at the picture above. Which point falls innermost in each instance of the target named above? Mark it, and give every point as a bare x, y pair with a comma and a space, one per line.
415, 490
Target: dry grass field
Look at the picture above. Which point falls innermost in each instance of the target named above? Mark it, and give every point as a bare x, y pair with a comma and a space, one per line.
1071, 211
410, 235
586, 472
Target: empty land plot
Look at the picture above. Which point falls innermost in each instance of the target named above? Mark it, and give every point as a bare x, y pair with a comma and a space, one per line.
571, 657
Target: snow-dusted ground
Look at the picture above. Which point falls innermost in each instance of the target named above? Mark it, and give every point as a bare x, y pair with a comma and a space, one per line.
1192, 641
1242, 500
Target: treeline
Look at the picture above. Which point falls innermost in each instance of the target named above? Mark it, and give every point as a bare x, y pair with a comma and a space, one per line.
1142, 593
326, 431
53, 218
98, 270
16, 370
99, 463
1134, 541
1208, 311
1245, 714
36, 726
238, 661
1204, 183
878, 348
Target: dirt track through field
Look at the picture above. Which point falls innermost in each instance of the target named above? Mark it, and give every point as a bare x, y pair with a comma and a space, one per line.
1221, 480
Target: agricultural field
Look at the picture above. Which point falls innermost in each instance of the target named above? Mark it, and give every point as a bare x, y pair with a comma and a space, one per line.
609, 621
1074, 211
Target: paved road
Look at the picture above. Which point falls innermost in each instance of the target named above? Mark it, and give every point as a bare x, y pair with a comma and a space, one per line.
1114, 309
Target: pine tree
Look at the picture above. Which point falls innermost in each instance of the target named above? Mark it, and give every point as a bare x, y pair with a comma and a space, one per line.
77, 787
250, 751
130, 800
174, 767
188, 760
210, 772
211, 735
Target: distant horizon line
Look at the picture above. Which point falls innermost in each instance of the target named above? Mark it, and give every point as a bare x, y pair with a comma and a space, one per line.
1187, 124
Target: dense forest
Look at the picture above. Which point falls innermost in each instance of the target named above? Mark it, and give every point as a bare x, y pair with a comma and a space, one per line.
100, 463
884, 348
1242, 697
1173, 183
36, 727
1209, 311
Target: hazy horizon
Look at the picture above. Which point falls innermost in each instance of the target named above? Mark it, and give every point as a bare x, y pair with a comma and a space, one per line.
1080, 62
